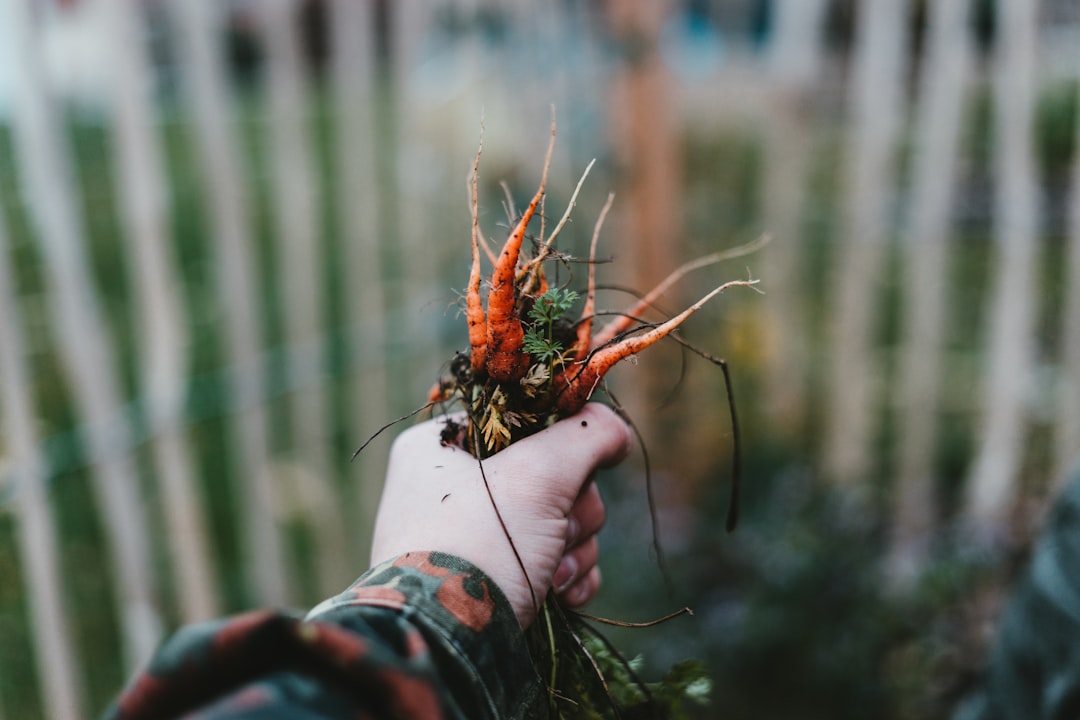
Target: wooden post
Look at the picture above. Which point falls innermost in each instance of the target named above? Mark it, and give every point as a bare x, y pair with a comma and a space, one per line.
876, 106
648, 212
995, 474
205, 75
82, 339
39, 554
163, 336
937, 134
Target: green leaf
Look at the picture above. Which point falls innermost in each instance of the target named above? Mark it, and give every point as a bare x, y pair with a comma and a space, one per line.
552, 305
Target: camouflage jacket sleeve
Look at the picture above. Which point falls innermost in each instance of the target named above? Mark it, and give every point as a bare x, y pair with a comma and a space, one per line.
425, 635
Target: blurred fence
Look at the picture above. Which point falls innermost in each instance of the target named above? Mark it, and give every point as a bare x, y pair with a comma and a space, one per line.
231, 231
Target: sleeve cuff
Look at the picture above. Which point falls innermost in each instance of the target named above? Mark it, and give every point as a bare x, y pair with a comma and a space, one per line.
463, 614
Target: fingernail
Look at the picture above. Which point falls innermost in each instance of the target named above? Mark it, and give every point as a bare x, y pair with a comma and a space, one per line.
572, 528
565, 573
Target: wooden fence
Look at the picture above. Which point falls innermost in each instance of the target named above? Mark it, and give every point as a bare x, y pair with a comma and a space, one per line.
214, 285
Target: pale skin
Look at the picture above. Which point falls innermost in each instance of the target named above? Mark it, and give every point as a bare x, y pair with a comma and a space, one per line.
434, 499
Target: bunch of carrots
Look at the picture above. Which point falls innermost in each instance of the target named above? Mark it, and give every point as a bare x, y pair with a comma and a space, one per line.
529, 365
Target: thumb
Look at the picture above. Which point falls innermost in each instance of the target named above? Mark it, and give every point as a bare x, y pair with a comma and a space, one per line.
593, 438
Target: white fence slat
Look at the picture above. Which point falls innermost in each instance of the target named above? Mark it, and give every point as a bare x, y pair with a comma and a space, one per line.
39, 554
926, 248
789, 128
162, 338
993, 481
404, 192
410, 25
876, 106
295, 188
1067, 440
82, 338
205, 76
798, 46
353, 82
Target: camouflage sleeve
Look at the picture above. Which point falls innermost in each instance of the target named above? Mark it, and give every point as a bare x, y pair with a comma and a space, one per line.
425, 635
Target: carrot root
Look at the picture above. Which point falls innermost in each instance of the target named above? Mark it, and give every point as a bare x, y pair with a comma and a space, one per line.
575, 388
474, 306
622, 323
506, 359
588, 311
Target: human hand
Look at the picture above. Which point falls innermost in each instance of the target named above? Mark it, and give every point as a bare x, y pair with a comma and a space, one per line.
434, 499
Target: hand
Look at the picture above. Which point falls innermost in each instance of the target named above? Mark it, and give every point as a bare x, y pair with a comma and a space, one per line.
434, 499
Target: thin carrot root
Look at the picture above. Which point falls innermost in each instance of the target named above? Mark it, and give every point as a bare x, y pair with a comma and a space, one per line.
576, 383
588, 311
626, 320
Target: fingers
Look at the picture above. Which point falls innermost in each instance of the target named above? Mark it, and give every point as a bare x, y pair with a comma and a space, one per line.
583, 590
542, 491
586, 516
575, 567
576, 564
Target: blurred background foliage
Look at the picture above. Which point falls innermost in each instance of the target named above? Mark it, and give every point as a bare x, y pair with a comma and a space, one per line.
711, 133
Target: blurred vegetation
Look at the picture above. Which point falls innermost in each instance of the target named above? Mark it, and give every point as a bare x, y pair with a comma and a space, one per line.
790, 615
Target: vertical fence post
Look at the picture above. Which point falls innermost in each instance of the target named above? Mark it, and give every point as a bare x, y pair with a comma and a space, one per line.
205, 76
794, 65
352, 68
876, 106
994, 475
925, 243
649, 211
406, 226
39, 554
411, 24
295, 187
82, 338
163, 337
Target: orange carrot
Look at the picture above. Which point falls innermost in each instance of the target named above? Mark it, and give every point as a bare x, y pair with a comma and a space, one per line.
474, 306
622, 323
576, 382
439, 392
588, 311
506, 360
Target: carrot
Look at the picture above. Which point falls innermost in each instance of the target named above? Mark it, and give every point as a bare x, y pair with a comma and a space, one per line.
474, 306
576, 382
506, 360
547, 245
588, 311
622, 323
